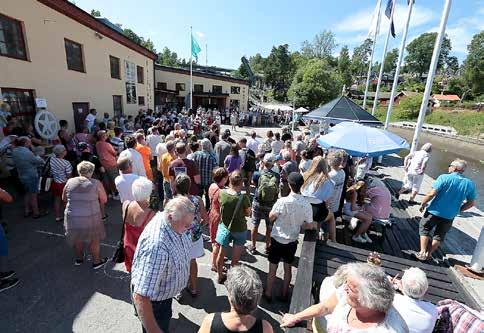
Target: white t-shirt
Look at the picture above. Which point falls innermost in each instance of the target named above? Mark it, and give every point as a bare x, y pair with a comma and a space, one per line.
253, 144
292, 212
124, 184
277, 146
90, 118
418, 160
136, 161
420, 316
338, 323
304, 165
338, 179
153, 141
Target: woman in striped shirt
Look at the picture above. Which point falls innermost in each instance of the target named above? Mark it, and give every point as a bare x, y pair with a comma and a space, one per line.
61, 171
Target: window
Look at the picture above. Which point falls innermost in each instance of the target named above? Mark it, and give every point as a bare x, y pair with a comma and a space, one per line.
115, 70
234, 103
235, 90
22, 103
180, 87
198, 88
74, 56
12, 43
161, 85
217, 89
140, 74
141, 100
130, 93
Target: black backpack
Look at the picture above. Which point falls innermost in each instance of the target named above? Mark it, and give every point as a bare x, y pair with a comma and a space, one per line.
250, 161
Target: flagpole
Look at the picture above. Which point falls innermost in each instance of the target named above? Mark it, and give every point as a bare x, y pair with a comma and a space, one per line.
380, 75
431, 74
399, 64
371, 56
191, 74
206, 57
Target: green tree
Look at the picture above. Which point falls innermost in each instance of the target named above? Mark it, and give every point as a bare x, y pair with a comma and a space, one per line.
168, 58
314, 84
474, 64
410, 107
139, 40
360, 58
390, 63
322, 45
344, 66
420, 53
277, 71
241, 73
95, 13
457, 86
452, 65
257, 63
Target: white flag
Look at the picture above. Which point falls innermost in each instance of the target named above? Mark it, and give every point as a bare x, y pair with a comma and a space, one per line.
375, 21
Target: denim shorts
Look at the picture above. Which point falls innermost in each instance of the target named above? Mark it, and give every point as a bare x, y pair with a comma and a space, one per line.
260, 213
225, 237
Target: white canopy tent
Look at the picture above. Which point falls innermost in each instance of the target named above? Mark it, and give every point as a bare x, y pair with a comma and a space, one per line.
301, 110
275, 107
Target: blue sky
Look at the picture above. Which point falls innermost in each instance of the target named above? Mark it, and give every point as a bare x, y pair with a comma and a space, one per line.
236, 28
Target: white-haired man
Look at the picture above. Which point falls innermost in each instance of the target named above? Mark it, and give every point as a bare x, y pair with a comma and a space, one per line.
415, 164
419, 315
449, 191
161, 264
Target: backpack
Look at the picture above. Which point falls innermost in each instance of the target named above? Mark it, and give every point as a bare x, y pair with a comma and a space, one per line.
268, 189
250, 160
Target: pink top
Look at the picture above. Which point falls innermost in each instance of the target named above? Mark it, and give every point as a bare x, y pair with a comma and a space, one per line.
107, 154
380, 202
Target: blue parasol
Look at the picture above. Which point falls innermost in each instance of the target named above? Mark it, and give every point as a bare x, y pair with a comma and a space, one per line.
359, 140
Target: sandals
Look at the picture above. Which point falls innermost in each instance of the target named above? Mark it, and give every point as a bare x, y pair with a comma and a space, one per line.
222, 278
59, 219
421, 257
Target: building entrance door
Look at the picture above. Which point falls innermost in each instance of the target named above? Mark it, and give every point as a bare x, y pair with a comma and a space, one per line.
117, 106
81, 110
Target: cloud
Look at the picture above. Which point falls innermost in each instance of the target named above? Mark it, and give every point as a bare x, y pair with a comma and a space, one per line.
200, 34
361, 21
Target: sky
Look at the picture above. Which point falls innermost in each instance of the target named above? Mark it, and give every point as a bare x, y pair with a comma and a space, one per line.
232, 29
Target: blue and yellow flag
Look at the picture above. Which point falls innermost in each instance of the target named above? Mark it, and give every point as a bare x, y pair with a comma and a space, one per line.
195, 48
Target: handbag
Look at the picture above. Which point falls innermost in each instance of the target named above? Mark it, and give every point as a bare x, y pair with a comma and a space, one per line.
46, 179
118, 255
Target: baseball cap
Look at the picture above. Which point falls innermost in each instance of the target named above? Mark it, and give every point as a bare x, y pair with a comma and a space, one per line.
269, 158
295, 178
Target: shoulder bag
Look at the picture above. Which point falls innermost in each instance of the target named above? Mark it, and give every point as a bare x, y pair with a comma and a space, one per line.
118, 255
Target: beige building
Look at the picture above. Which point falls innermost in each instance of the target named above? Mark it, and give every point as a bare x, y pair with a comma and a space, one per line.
209, 90
53, 50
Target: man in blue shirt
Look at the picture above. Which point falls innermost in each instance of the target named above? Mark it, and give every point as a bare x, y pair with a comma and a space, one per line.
449, 191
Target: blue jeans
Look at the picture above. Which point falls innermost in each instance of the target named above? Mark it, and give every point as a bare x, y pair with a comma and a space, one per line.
3, 243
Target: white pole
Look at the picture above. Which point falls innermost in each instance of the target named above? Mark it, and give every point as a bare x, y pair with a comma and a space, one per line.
206, 56
431, 75
371, 56
375, 101
399, 64
191, 74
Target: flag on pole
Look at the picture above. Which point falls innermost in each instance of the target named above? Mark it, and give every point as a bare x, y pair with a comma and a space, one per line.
195, 48
375, 22
388, 13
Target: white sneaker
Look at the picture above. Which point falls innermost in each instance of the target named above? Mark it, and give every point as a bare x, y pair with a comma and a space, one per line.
367, 238
115, 197
353, 223
358, 239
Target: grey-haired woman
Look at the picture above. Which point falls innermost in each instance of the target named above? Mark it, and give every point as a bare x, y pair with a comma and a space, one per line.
82, 218
244, 289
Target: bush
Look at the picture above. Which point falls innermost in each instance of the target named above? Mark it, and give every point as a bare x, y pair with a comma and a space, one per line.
409, 107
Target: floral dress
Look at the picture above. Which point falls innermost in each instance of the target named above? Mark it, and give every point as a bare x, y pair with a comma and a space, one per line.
195, 230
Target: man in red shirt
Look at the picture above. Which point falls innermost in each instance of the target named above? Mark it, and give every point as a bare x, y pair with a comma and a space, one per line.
183, 165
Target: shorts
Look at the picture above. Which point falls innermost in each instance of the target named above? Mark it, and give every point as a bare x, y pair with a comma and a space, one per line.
225, 237
57, 189
260, 213
167, 189
429, 222
284, 252
31, 184
413, 182
320, 212
347, 210
112, 174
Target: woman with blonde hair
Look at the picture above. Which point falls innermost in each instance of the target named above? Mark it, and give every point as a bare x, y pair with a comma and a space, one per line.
82, 218
318, 188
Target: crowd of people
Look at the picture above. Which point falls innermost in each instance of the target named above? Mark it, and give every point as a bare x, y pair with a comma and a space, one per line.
177, 174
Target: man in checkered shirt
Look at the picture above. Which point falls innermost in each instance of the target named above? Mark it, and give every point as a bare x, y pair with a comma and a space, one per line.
161, 264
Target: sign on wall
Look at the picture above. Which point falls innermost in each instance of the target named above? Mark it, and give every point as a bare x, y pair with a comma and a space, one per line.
41, 103
130, 74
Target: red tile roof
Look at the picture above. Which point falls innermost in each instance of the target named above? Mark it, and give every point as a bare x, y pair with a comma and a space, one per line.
449, 98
